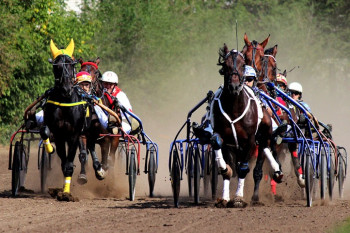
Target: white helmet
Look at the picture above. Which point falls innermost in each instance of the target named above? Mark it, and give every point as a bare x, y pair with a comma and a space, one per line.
110, 77
249, 72
295, 86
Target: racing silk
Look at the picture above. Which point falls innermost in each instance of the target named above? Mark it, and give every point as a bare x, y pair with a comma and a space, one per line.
305, 105
281, 101
122, 98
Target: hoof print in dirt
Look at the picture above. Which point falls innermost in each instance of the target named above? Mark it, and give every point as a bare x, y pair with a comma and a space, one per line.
237, 202
221, 203
54, 191
62, 196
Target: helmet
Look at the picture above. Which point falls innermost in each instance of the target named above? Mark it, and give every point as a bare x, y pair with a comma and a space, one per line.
83, 76
110, 77
281, 78
294, 86
249, 72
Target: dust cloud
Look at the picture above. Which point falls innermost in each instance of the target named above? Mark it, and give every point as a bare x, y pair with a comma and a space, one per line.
163, 108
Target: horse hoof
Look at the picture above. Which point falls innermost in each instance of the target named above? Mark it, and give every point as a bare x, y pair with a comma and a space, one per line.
301, 181
237, 202
82, 179
54, 191
100, 173
63, 196
277, 176
221, 203
227, 173
278, 198
257, 203
255, 198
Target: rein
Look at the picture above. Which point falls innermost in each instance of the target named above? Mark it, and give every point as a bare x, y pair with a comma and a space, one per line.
254, 46
234, 53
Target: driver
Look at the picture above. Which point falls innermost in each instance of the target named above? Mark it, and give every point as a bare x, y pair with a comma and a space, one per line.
110, 84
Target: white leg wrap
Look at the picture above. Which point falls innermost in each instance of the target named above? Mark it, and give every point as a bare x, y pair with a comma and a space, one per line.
272, 161
226, 190
274, 124
220, 159
240, 187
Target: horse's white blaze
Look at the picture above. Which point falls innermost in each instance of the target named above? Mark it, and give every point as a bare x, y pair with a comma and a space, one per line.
240, 187
226, 190
220, 159
271, 159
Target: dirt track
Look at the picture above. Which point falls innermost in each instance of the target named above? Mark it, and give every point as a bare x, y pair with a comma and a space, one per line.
104, 207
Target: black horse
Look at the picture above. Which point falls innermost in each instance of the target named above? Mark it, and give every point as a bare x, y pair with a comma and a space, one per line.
238, 121
65, 114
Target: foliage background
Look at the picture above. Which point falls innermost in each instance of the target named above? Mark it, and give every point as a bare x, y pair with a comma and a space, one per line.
165, 52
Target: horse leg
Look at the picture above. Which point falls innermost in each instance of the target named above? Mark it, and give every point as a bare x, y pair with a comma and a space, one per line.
100, 173
257, 175
296, 164
226, 170
82, 178
114, 146
104, 144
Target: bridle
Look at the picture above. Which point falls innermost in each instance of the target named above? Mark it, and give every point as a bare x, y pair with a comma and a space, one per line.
65, 72
254, 45
96, 82
234, 54
265, 65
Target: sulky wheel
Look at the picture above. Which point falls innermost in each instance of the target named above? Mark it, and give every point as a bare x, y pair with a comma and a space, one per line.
196, 175
175, 177
132, 174
151, 171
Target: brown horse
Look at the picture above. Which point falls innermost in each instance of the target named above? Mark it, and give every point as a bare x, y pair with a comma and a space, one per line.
108, 145
269, 72
238, 122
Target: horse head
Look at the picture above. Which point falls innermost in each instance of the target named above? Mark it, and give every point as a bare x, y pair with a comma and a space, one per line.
254, 53
63, 67
269, 68
91, 66
232, 63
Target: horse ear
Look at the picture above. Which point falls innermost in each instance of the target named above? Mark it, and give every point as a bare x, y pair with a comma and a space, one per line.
54, 50
274, 51
97, 61
225, 49
285, 73
80, 60
70, 48
246, 40
264, 43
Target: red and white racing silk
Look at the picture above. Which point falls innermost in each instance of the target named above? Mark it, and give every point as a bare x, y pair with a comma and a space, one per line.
281, 101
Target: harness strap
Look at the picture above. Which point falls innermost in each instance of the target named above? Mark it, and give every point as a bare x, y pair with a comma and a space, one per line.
66, 104
237, 119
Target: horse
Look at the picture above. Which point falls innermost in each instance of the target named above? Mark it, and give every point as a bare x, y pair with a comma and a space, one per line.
270, 65
65, 115
234, 141
108, 145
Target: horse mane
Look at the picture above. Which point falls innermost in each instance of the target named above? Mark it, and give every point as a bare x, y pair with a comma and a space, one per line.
221, 60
